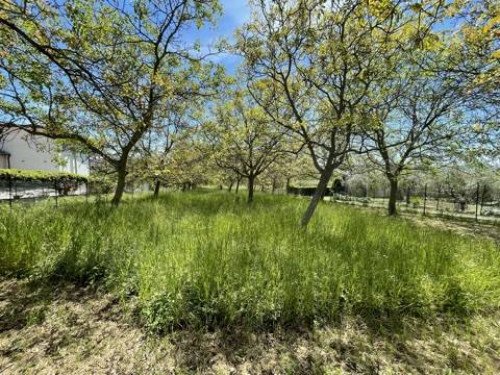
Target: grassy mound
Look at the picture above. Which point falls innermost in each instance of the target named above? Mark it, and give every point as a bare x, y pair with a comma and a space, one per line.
208, 259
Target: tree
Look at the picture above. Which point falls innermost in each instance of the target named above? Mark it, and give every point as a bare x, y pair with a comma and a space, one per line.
424, 123
311, 65
243, 139
101, 73
158, 143
189, 165
418, 112
478, 38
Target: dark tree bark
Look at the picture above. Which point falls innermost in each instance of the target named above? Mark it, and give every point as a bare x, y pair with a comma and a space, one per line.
251, 188
120, 186
318, 194
156, 192
237, 185
393, 193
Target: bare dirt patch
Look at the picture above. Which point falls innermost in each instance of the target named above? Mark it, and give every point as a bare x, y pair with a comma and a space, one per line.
463, 228
70, 329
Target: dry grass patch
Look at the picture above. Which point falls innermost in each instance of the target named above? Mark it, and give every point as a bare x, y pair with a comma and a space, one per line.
70, 329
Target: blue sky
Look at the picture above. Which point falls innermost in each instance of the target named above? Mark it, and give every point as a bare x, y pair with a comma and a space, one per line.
235, 13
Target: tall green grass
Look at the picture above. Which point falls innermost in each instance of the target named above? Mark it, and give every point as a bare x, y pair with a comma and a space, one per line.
209, 259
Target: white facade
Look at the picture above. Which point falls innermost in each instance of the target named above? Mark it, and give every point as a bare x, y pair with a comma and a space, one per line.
20, 150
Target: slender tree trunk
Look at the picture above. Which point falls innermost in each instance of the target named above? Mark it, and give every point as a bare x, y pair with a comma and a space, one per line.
230, 187
251, 188
157, 189
318, 194
393, 193
273, 186
120, 185
288, 185
237, 185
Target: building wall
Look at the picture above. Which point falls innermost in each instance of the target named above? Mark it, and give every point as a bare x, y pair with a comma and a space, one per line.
75, 164
38, 153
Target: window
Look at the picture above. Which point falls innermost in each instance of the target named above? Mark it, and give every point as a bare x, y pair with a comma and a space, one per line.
4, 160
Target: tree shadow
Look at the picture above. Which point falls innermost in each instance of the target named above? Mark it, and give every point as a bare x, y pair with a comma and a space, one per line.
358, 342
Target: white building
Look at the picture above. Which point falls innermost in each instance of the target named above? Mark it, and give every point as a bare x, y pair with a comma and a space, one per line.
20, 150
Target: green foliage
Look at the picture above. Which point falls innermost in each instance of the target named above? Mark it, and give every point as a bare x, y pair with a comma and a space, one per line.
103, 75
207, 260
30, 175
243, 140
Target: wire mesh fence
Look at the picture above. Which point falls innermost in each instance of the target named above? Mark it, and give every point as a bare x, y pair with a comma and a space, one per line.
12, 191
473, 201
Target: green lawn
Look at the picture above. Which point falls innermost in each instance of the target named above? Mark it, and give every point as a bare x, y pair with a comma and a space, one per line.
207, 259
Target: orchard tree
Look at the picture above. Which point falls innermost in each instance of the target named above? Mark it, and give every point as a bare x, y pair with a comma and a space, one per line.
424, 123
424, 108
480, 41
189, 165
244, 140
158, 143
100, 72
311, 65
478, 37
279, 174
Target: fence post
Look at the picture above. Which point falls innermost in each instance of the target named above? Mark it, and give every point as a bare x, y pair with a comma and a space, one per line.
477, 200
425, 198
9, 181
55, 191
482, 200
437, 199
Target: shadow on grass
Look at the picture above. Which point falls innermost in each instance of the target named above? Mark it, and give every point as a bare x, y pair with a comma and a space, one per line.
24, 303
362, 343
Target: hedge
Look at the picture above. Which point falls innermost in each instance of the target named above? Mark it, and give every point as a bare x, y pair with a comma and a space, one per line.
30, 175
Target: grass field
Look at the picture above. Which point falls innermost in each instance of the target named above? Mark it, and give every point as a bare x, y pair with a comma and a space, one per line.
201, 282
208, 259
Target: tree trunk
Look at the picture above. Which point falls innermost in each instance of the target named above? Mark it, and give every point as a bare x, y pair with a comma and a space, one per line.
251, 187
237, 185
393, 193
230, 187
157, 189
273, 186
120, 186
318, 195
288, 185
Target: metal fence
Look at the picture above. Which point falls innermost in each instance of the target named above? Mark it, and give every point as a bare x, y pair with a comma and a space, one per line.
476, 202
18, 190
